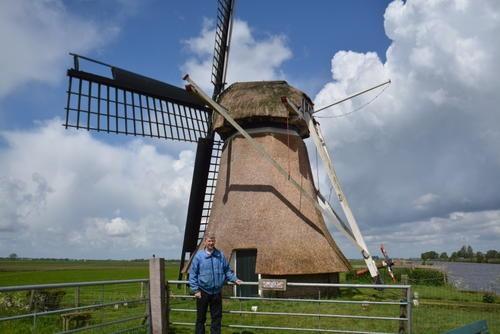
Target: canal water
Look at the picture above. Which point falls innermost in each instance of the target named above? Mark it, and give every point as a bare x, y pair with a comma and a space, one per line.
473, 276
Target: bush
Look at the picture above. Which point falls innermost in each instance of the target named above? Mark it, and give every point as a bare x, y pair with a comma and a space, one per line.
418, 276
427, 277
12, 300
45, 300
489, 297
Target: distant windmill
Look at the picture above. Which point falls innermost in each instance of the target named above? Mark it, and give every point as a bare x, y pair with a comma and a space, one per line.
262, 203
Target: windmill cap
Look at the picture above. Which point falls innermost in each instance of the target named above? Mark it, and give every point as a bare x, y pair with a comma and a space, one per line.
260, 102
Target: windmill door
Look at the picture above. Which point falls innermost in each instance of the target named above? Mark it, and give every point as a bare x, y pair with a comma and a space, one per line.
245, 269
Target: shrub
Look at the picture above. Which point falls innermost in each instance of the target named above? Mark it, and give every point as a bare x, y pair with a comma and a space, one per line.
430, 277
45, 300
12, 300
489, 297
419, 276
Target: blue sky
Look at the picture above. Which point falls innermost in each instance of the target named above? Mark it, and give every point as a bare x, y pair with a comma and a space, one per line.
419, 164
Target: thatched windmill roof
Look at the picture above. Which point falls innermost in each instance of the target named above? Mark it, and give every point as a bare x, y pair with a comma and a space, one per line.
259, 102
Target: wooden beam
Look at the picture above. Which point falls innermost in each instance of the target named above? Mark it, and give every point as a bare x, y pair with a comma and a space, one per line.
316, 135
157, 296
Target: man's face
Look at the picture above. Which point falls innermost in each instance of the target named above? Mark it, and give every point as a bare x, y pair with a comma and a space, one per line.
210, 243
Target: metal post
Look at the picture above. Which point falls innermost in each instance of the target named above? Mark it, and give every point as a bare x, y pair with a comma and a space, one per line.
34, 322
409, 309
319, 308
403, 308
32, 299
142, 290
148, 311
167, 304
157, 301
77, 296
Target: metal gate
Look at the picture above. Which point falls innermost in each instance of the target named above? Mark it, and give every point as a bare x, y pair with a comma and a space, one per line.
359, 308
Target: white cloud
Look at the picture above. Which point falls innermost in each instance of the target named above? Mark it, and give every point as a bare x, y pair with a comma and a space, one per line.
60, 188
427, 150
249, 59
419, 164
479, 229
352, 72
456, 38
18, 202
425, 201
117, 227
36, 37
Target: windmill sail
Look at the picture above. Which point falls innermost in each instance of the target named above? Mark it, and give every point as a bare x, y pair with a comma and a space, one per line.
200, 201
222, 39
205, 173
131, 104
213, 171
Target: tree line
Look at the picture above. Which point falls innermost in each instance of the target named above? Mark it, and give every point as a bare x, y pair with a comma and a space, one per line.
465, 254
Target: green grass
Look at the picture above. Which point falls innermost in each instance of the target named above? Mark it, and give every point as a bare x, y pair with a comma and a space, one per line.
44, 272
441, 307
428, 318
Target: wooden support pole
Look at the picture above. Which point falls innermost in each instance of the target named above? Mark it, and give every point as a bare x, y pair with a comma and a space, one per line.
157, 301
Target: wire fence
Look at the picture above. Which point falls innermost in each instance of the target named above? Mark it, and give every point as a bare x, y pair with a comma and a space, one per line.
90, 307
440, 308
317, 307
442, 302
433, 305
437, 306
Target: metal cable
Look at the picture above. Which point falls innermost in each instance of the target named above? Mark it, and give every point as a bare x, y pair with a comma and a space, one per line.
357, 109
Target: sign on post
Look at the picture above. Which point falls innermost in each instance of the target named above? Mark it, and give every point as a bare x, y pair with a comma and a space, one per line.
272, 284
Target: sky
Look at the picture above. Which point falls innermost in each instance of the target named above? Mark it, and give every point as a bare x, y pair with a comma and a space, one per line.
419, 161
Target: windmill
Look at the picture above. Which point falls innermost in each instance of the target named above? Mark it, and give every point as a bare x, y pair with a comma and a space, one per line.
269, 115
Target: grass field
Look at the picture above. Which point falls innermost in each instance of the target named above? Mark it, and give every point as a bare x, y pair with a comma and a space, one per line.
441, 307
43, 272
50, 271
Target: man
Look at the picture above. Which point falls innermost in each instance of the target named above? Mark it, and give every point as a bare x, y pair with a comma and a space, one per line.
208, 273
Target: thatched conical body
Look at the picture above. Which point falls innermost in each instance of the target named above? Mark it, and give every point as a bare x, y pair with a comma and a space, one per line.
255, 207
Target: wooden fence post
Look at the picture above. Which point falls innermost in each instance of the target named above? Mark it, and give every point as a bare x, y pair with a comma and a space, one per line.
157, 301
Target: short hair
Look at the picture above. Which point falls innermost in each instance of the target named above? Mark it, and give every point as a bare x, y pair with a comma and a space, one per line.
210, 235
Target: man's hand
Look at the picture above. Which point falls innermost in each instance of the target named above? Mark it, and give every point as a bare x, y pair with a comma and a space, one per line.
197, 294
238, 282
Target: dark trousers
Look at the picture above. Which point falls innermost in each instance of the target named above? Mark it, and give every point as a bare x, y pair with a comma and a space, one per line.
202, 304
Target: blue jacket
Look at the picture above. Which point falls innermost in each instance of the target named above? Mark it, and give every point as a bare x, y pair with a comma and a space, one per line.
209, 272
